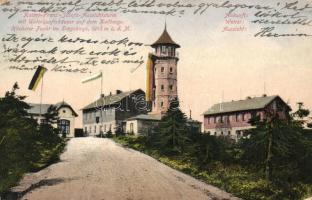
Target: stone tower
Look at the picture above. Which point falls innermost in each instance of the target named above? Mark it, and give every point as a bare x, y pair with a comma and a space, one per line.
165, 59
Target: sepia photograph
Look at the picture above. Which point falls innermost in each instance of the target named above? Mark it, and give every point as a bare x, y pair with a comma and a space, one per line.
155, 100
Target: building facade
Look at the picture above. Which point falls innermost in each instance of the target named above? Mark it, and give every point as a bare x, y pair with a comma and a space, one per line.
165, 60
109, 113
66, 115
164, 89
232, 118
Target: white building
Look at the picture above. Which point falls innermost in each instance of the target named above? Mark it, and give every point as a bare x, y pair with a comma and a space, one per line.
66, 114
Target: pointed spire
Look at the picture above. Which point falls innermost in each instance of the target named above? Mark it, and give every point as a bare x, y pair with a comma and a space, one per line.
165, 39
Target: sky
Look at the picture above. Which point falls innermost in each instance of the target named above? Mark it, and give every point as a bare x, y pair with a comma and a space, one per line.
213, 66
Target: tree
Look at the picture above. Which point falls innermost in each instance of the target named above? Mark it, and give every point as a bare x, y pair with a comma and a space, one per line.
24, 145
47, 130
173, 130
278, 146
18, 137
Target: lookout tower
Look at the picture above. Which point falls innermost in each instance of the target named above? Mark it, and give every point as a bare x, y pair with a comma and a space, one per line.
165, 59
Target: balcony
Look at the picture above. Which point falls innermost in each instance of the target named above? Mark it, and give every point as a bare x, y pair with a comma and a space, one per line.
166, 54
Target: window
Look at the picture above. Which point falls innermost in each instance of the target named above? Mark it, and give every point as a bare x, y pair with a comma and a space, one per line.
162, 69
215, 133
110, 127
229, 132
221, 132
169, 51
253, 114
214, 119
208, 133
163, 49
97, 120
208, 120
162, 104
64, 111
221, 119
171, 70
162, 87
236, 117
94, 129
243, 116
43, 121
170, 87
105, 128
64, 126
238, 133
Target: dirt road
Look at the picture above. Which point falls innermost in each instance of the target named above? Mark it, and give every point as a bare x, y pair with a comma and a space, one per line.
100, 169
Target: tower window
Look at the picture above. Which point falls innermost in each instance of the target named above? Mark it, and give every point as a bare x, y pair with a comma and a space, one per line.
171, 70
162, 69
163, 49
162, 104
162, 87
170, 87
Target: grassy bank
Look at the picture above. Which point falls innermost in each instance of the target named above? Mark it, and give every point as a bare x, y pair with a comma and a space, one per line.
48, 154
242, 182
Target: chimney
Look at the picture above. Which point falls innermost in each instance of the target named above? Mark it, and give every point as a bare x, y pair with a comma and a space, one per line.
118, 91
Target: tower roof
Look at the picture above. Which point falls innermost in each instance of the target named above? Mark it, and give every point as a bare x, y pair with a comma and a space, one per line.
165, 39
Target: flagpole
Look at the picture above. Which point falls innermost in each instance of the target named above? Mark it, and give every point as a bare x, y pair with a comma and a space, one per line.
41, 95
101, 105
101, 83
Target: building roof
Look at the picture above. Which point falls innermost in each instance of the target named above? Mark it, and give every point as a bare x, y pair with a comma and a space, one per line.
109, 100
241, 105
146, 117
35, 108
165, 39
188, 120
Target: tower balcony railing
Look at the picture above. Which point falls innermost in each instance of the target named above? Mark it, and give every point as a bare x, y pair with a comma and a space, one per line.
166, 54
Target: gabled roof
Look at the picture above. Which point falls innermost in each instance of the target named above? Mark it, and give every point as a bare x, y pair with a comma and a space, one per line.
166, 39
110, 100
242, 105
35, 108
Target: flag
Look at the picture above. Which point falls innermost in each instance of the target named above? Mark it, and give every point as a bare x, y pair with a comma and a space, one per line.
91, 78
37, 77
149, 78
